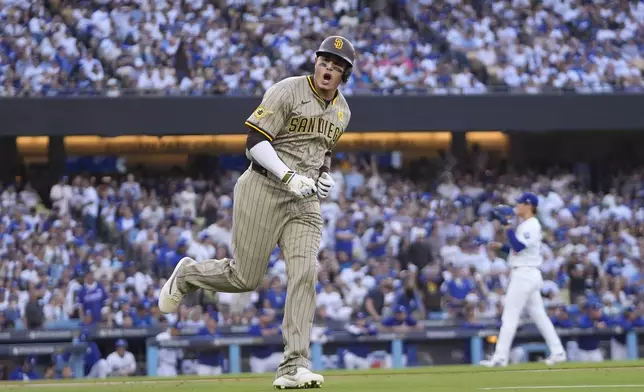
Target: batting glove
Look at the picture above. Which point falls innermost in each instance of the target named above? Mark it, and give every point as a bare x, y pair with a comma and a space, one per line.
325, 184
299, 185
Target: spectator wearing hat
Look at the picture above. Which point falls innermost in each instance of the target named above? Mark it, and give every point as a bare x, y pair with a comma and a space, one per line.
265, 358
630, 319
561, 320
200, 249
589, 345
25, 371
210, 362
169, 357
358, 356
400, 322
121, 363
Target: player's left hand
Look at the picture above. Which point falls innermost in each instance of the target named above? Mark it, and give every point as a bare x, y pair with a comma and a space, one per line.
324, 185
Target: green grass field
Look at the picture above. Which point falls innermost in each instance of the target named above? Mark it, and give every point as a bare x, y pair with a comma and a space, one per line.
606, 377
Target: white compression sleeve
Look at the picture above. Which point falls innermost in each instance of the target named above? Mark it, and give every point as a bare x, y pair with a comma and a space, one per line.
264, 154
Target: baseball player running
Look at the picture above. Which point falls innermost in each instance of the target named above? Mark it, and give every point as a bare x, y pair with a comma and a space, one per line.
291, 136
525, 284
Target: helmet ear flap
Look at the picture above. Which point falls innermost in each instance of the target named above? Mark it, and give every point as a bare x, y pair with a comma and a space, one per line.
346, 75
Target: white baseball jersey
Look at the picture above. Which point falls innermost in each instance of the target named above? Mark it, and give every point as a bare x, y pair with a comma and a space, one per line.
529, 234
121, 365
168, 356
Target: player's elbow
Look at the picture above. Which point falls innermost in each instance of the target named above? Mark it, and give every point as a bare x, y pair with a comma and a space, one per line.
515, 243
254, 138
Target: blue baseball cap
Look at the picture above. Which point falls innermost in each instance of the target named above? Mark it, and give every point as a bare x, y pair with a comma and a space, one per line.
529, 198
592, 305
121, 343
401, 309
83, 336
361, 316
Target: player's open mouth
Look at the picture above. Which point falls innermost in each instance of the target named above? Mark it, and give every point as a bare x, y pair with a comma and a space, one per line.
326, 78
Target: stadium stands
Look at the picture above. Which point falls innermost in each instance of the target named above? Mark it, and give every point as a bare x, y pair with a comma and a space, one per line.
384, 243
580, 46
130, 47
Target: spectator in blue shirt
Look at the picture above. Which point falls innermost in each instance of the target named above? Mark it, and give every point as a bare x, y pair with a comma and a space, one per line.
617, 266
265, 358
626, 321
142, 318
561, 318
470, 322
589, 345
25, 372
358, 355
275, 297
409, 296
377, 246
210, 362
344, 236
456, 289
400, 322
91, 296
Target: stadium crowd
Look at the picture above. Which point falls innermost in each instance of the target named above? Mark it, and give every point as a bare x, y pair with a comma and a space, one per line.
582, 46
196, 47
398, 249
103, 250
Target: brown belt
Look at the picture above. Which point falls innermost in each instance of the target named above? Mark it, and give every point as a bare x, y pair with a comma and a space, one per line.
256, 167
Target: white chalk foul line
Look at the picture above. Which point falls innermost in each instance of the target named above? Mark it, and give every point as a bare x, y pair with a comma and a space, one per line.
560, 387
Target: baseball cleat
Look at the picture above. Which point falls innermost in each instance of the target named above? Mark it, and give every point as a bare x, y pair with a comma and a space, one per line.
302, 378
170, 296
554, 359
494, 362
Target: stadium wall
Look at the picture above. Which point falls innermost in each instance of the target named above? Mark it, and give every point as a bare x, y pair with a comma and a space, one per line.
225, 115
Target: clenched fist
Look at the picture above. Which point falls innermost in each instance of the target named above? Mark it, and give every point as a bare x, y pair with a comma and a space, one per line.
299, 185
325, 184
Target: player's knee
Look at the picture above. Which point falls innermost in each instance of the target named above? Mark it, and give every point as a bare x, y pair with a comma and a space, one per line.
305, 276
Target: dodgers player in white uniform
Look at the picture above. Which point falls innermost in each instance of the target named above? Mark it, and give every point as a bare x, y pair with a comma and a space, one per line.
121, 362
168, 357
524, 289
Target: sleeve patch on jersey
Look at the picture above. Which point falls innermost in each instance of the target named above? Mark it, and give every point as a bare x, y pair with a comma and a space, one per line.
261, 112
526, 235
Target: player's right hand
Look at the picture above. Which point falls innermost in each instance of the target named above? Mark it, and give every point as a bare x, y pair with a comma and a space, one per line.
299, 185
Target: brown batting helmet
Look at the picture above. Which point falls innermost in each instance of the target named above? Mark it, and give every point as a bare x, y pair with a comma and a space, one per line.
341, 47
